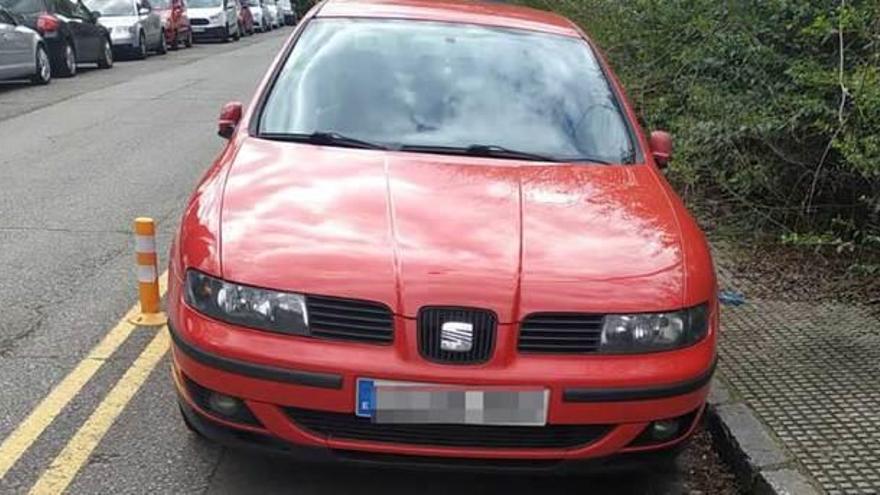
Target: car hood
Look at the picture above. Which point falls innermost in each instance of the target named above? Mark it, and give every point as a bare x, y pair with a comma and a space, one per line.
413, 230
204, 12
118, 20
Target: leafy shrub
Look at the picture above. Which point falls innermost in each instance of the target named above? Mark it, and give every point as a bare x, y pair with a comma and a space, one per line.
774, 104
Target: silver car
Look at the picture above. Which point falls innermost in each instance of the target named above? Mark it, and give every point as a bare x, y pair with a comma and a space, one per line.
274, 20
22, 51
135, 27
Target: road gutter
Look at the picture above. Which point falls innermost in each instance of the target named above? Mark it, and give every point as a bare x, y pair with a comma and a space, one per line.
759, 461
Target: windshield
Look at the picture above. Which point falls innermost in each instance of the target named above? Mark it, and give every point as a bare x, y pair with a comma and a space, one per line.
110, 8
417, 84
23, 6
200, 4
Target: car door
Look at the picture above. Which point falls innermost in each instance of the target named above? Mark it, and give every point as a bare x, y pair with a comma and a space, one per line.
10, 49
151, 22
94, 31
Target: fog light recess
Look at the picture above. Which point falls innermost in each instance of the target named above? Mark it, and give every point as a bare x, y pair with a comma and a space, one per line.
220, 405
224, 404
664, 430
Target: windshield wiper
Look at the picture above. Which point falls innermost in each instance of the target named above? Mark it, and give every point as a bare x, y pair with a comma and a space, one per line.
323, 138
484, 150
494, 151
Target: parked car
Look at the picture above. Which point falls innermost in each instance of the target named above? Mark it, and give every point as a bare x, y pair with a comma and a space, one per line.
285, 9
70, 31
214, 19
260, 13
245, 18
442, 240
135, 27
175, 22
272, 11
22, 51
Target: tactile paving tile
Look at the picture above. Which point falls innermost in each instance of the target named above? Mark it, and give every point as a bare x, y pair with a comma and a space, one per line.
811, 371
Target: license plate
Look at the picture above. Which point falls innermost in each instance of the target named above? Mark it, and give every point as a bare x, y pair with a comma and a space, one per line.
386, 401
198, 29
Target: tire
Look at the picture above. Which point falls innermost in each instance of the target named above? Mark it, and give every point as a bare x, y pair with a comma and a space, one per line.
189, 425
188, 41
162, 49
237, 35
175, 43
106, 60
141, 50
225, 35
67, 63
43, 73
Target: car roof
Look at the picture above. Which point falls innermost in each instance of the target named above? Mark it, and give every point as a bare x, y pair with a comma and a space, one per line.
457, 11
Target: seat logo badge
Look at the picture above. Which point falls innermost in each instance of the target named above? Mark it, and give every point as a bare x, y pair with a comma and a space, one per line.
457, 336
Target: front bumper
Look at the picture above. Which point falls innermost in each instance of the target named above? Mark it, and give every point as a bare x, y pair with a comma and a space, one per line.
272, 373
213, 31
124, 39
268, 445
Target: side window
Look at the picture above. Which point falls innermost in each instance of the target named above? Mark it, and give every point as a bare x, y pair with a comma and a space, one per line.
5, 19
145, 4
82, 12
64, 7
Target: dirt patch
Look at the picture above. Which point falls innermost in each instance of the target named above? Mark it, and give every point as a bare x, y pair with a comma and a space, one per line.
703, 469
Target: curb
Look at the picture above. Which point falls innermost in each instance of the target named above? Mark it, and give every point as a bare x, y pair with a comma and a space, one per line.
759, 462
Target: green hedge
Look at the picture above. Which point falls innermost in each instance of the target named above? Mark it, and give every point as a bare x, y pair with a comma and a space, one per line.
753, 92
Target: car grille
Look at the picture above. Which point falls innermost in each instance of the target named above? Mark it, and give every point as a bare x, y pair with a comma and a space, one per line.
351, 427
349, 319
199, 22
430, 323
560, 333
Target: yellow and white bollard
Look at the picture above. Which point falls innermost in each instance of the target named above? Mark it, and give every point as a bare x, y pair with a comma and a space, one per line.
147, 273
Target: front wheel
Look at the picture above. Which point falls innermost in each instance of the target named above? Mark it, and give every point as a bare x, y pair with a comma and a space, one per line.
43, 73
190, 426
106, 60
237, 35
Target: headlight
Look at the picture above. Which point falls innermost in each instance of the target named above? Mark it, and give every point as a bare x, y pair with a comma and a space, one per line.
218, 16
650, 332
275, 311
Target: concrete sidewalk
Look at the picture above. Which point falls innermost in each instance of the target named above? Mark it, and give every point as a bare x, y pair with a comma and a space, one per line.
799, 390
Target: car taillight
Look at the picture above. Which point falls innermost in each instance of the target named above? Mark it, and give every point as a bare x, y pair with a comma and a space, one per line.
47, 23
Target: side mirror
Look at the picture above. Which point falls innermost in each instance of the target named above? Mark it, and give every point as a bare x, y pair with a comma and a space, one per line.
661, 147
96, 14
230, 115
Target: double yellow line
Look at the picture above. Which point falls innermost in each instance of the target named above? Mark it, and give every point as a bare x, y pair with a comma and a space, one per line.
67, 464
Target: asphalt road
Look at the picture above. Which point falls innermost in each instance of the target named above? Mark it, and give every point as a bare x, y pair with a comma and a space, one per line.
78, 161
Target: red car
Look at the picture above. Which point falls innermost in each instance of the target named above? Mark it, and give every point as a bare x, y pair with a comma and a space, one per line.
176, 22
441, 237
245, 18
